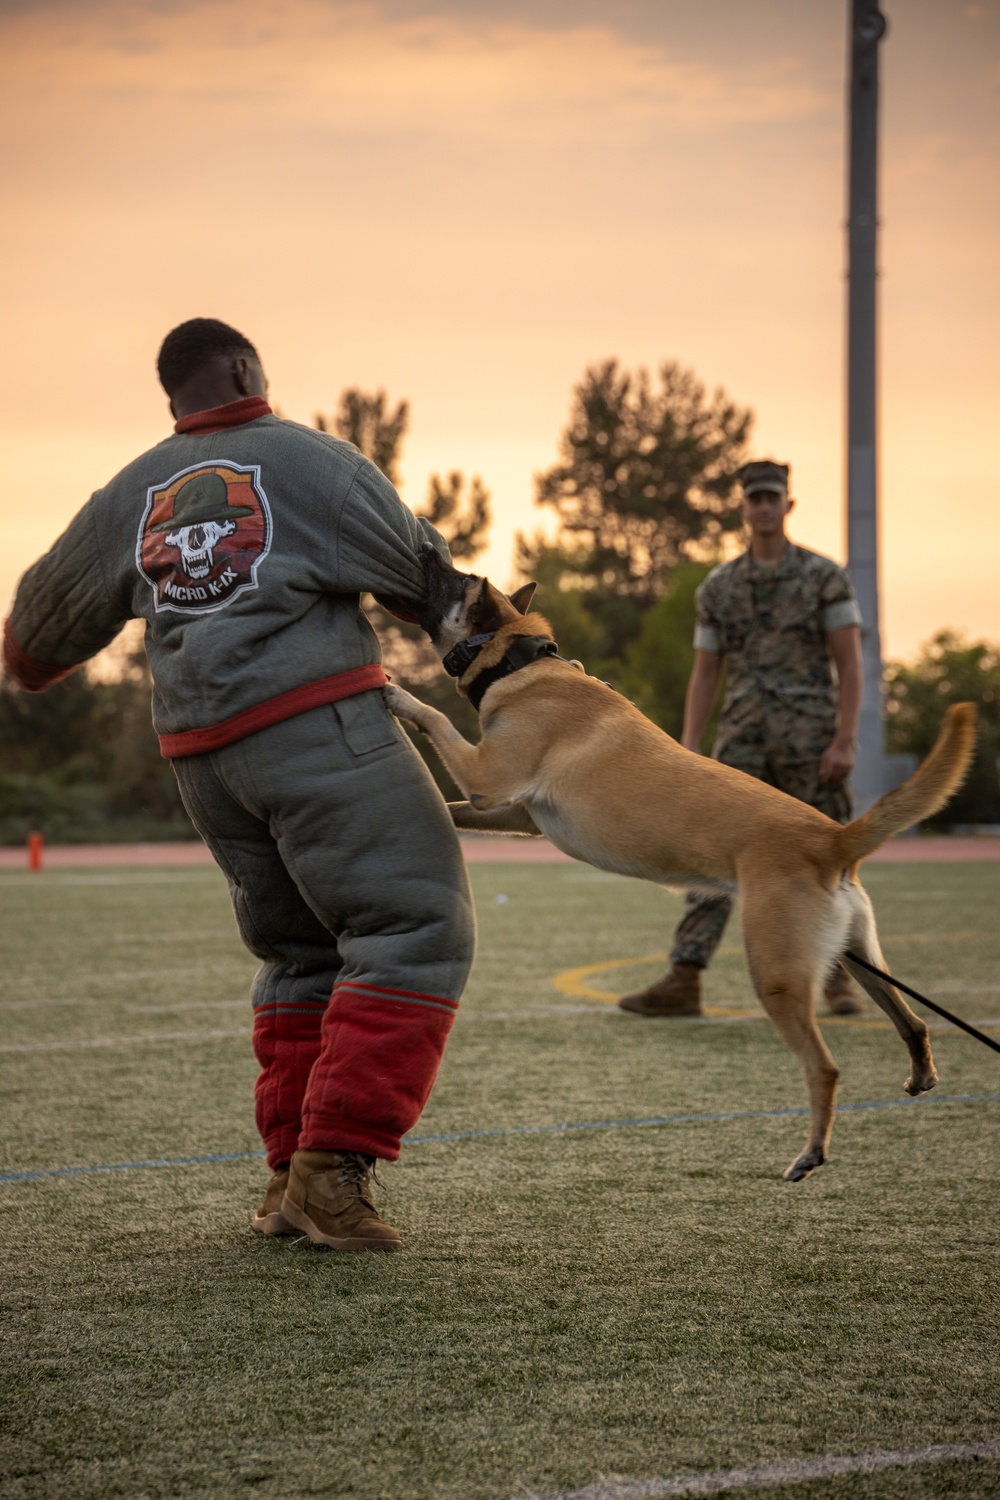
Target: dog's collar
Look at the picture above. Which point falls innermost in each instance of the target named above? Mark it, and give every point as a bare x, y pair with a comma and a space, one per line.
461, 657
522, 651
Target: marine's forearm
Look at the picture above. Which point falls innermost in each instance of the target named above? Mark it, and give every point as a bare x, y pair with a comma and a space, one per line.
700, 698
845, 646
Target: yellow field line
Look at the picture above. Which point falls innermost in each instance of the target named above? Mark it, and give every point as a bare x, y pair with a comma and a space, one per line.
574, 982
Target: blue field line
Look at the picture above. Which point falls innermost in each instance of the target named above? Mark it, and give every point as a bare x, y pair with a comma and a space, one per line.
512, 1130
133, 1166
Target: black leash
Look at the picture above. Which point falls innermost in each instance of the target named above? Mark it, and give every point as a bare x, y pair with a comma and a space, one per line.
987, 1041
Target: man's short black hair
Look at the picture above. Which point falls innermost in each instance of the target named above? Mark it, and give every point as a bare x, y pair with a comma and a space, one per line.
191, 345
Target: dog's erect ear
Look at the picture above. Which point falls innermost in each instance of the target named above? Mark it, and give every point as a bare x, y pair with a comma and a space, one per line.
487, 609
521, 598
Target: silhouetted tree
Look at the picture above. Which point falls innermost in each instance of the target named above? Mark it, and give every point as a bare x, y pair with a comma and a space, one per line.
462, 519
365, 421
646, 475
643, 485
81, 762
948, 670
658, 662
462, 516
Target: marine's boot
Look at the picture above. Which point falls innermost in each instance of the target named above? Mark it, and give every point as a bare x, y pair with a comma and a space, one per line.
676, 994
269, 1219
841, 994
328, 1198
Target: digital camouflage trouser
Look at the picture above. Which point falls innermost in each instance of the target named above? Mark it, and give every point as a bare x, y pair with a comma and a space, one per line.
699, 931
349, 885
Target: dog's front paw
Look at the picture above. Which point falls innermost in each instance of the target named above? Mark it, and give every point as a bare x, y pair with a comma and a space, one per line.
403, 705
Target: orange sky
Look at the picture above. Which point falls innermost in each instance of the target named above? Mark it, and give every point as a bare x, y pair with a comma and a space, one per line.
466, 203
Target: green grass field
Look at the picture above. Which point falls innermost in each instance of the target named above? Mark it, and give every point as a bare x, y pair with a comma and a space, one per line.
635, 1300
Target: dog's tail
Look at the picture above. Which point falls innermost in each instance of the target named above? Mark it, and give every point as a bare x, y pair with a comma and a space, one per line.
927, 790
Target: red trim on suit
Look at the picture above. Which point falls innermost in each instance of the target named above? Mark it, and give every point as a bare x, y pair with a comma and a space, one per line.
286, 1043
380, 1056
381, 991
272, 711
216, 418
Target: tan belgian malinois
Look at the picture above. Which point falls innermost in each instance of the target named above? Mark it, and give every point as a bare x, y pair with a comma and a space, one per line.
564, 755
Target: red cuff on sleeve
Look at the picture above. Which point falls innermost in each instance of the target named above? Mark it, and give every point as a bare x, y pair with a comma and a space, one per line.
402, 614
25, 670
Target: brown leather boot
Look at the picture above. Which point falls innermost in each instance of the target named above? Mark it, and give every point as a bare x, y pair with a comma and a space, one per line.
269, 1219
328, 1198
841, 994
676, 994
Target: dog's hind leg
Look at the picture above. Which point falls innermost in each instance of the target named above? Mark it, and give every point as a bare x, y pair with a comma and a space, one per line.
787, 963
509, 818
789, 1000
863, 940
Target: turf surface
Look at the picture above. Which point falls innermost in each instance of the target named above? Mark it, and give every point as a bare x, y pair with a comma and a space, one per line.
638, 1301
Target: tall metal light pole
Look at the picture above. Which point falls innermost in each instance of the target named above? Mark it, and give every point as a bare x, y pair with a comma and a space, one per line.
868, 27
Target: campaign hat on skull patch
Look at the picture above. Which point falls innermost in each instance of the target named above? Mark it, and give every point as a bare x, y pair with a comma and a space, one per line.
764, 474
203, 498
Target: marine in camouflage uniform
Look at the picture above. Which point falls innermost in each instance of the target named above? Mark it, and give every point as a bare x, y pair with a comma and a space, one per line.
771, 624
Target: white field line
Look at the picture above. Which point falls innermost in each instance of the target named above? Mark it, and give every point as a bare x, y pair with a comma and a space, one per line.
133, 877
232, 972
785, 1471
122, 1041
141, 1010
159, 1010
567, 1011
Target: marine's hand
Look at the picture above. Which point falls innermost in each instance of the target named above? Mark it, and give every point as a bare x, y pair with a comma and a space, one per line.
837, 760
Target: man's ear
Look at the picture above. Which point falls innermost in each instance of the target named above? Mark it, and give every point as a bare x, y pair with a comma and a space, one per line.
240, 374
521, 598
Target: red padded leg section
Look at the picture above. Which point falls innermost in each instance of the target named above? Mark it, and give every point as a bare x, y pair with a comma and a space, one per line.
381, 1053
286, 1043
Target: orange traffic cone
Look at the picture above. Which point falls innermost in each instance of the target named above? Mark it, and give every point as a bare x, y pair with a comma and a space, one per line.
36, 844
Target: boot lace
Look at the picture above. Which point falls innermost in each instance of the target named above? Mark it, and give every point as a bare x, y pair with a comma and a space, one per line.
356, 1171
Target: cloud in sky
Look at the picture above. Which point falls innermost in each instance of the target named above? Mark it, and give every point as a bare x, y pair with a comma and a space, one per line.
345, 67
467, 202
